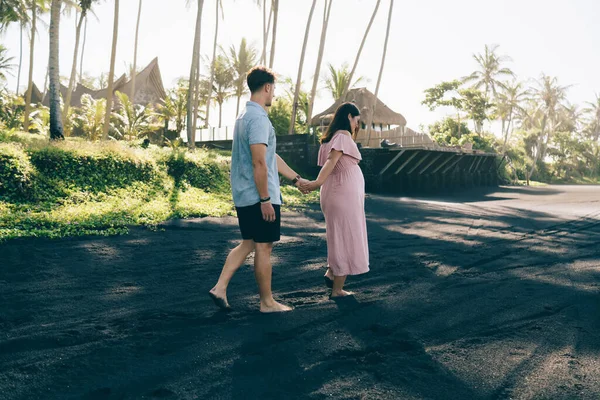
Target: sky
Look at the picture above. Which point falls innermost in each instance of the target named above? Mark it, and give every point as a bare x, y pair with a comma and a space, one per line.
430, 41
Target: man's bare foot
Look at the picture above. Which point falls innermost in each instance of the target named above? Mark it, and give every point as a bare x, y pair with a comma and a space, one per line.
341, 293
219, 298
274, 307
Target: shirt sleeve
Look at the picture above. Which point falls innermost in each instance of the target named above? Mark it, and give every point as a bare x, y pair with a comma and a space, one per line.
259, 130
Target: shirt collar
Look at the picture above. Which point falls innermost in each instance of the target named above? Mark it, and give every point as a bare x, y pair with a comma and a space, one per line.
254, 104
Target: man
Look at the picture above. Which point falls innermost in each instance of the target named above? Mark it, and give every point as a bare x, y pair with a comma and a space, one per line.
256, 194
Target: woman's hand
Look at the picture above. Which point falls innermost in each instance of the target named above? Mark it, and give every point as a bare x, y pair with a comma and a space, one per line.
309, 187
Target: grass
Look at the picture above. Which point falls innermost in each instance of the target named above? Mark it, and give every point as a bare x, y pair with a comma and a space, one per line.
63, 209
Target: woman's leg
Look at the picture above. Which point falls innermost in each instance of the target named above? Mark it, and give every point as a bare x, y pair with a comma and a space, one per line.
338, 285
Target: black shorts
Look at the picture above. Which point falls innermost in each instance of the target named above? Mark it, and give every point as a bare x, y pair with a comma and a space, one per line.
254, 227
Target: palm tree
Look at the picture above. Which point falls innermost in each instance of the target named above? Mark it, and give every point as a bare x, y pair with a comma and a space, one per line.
313, 91
90, 118
592, 128
509, 106
56, 126
85, 6
21, 28
275, 11
362, 44
192, 101
337, 80
240, 61
219, 4
109, 90
135, 48
174, 106
266, 28
13, 11
299, 79
37, 6
490, 71
223, 82
550, 99
83, 51
387, 35
132, 120
5, 63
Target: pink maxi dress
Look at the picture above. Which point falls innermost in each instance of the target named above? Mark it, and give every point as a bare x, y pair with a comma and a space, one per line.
343, 205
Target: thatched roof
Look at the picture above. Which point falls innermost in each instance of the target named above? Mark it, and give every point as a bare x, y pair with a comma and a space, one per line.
149, 88
364, 100
79, 91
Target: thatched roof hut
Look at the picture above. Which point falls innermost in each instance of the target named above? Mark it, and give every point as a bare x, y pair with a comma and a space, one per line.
364, 100
149, 88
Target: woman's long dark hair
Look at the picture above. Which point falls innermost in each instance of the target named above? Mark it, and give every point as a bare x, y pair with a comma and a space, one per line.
340, 121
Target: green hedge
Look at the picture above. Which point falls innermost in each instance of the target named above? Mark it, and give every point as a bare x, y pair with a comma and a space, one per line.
16, 171
94, 172
202, 173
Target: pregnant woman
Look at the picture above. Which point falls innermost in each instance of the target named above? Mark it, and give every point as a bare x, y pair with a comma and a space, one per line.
342, 200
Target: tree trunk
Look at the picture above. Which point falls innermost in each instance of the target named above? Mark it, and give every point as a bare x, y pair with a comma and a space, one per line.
20, 58
299, 79
30, 84
56, 126
263, 56
237, 108
74, 67
137, 31
537, 150
82, 51
387, 35
275, 7
313, 91
193, 88
44, 89
362, 44
220, 110
109, 90
212, 65
196, 100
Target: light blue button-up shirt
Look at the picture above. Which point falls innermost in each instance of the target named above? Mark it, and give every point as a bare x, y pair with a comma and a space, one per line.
252, 127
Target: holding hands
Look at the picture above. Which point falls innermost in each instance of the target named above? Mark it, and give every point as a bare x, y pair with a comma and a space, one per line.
304, 185
309, 186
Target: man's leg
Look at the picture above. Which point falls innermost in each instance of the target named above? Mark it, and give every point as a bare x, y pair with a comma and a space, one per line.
234, 261
263, 272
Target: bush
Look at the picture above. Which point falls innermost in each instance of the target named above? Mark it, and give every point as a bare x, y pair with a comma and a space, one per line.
15, 171
92, 171
200, 171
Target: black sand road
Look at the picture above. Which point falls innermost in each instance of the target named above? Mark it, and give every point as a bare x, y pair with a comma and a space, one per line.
483, 296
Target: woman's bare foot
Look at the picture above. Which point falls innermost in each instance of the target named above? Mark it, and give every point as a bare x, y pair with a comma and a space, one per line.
341, 293
274, 307
220, 298
329, 274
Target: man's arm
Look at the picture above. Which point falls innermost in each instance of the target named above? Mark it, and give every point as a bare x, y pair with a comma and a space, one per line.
285, 169
261, 179
261, 174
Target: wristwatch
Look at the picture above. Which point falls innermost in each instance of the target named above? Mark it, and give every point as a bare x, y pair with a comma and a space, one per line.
296, 179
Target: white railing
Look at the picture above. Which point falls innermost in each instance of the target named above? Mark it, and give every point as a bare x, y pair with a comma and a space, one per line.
210, 134
404, 137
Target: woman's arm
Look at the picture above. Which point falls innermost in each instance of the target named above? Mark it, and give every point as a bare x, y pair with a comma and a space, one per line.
332, 159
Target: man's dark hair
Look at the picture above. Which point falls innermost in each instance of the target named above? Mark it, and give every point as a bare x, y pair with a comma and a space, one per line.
258, 77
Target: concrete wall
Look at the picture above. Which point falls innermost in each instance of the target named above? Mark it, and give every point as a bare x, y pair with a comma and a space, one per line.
400, 170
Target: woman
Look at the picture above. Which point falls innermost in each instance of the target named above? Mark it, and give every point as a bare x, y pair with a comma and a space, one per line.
342, 200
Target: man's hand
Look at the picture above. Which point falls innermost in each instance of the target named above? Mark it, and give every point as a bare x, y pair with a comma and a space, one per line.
309, 186
301, 182
268, 212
